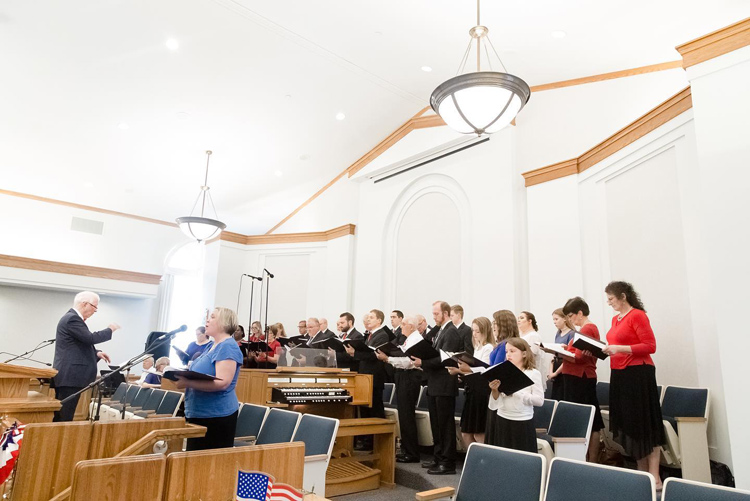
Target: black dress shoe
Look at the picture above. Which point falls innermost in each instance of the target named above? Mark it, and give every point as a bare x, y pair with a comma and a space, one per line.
442, 470
407, 459
429, 464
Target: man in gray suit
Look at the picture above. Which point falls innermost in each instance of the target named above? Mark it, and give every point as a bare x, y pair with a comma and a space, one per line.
75, 355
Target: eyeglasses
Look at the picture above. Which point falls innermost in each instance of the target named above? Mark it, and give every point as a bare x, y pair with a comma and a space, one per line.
96, 308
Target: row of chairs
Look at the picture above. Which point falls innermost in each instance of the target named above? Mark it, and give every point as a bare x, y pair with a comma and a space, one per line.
563, 429
260, 425
139, 403
496, 473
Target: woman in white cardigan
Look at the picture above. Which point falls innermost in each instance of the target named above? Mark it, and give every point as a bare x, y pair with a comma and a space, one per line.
514, 428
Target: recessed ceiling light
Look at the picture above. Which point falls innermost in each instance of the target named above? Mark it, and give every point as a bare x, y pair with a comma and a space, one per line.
278, 173
378, 33
123, 126
183, 115
304, 157
426, 69
172, 44
340, 116
288, 96
559, 34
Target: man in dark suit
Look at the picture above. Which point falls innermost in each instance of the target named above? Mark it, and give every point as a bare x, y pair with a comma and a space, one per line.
327, 333
345, 325
441, 392
397, 316
369, 364
457, 317
75, 355
315, 333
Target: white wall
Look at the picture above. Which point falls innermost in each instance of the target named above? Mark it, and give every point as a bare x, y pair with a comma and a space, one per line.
561, 124
632, 217
311, 280
722, 121
478, 182
31, 315
41, 230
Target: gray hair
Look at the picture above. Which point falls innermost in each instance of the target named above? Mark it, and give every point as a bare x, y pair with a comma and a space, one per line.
85, 297
411, 320
420, 318
162, 360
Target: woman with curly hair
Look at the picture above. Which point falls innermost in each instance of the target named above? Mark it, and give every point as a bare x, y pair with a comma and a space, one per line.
634, 411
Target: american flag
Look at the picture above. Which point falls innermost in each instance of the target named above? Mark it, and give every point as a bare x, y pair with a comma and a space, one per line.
256, 486
9, 448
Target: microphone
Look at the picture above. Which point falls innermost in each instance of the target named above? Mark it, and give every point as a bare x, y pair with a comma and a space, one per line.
165, 335
253, 277
50, 340
269, 273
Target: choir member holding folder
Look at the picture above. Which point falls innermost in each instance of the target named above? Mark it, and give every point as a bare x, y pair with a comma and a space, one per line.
474, 413
213, 403
369, 363
564, 335
514, 426
441, 392
504, 327
634, 411
579, 373
408, 385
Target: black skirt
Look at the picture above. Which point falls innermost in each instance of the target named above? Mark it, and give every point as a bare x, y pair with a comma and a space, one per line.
558, 384
635, 411
474, 413
582, 390
518, 435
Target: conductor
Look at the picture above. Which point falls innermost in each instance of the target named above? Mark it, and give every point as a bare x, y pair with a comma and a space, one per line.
75, 355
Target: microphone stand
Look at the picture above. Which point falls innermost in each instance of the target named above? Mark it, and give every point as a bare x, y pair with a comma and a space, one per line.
23, 355
20, 357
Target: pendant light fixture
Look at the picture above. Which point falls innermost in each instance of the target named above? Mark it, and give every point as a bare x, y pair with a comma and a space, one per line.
199, 227
480, 102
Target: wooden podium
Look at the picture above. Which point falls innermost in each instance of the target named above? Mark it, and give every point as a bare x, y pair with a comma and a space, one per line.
16, 401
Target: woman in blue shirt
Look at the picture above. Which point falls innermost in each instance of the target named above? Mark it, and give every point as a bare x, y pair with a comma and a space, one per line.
214, 404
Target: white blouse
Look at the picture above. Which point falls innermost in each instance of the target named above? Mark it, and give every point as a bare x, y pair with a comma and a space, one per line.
520, 405
483, 353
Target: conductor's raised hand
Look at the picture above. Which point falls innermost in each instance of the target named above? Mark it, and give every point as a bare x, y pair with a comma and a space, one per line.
114, 326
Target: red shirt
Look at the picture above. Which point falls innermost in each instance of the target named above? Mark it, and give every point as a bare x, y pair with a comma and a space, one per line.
583, 364
635, 331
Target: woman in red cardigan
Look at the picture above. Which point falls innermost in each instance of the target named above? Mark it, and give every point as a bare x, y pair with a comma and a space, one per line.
634, 409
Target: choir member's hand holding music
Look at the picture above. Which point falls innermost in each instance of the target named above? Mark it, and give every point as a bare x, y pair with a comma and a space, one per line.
349, 349
417, 361
381, 356
612, 349
495, 388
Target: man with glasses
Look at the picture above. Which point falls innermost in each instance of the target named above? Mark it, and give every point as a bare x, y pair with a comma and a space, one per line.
75, 355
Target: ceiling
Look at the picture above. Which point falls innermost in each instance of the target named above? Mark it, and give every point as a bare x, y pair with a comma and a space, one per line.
95, 109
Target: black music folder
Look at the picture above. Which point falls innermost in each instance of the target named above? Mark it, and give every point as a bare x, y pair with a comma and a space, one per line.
358, 345
511, 377
188, 375
293, 341
333, 343
423, 350
469, 360
256, 346
447, 359
586, 343
391, 350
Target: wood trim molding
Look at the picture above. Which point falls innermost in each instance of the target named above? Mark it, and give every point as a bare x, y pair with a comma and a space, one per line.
550, 172
651, 68
715, 44
666, 111
86, 207
289, 238
78, 269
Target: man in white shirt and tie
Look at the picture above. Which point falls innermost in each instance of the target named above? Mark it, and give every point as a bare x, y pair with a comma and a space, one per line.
408, 385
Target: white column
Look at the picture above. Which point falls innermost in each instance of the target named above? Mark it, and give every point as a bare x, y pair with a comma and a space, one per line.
721, 104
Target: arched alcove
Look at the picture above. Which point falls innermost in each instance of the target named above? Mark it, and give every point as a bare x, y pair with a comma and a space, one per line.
426, 245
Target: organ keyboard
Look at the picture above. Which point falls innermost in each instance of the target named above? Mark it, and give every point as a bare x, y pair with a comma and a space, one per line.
310, 395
